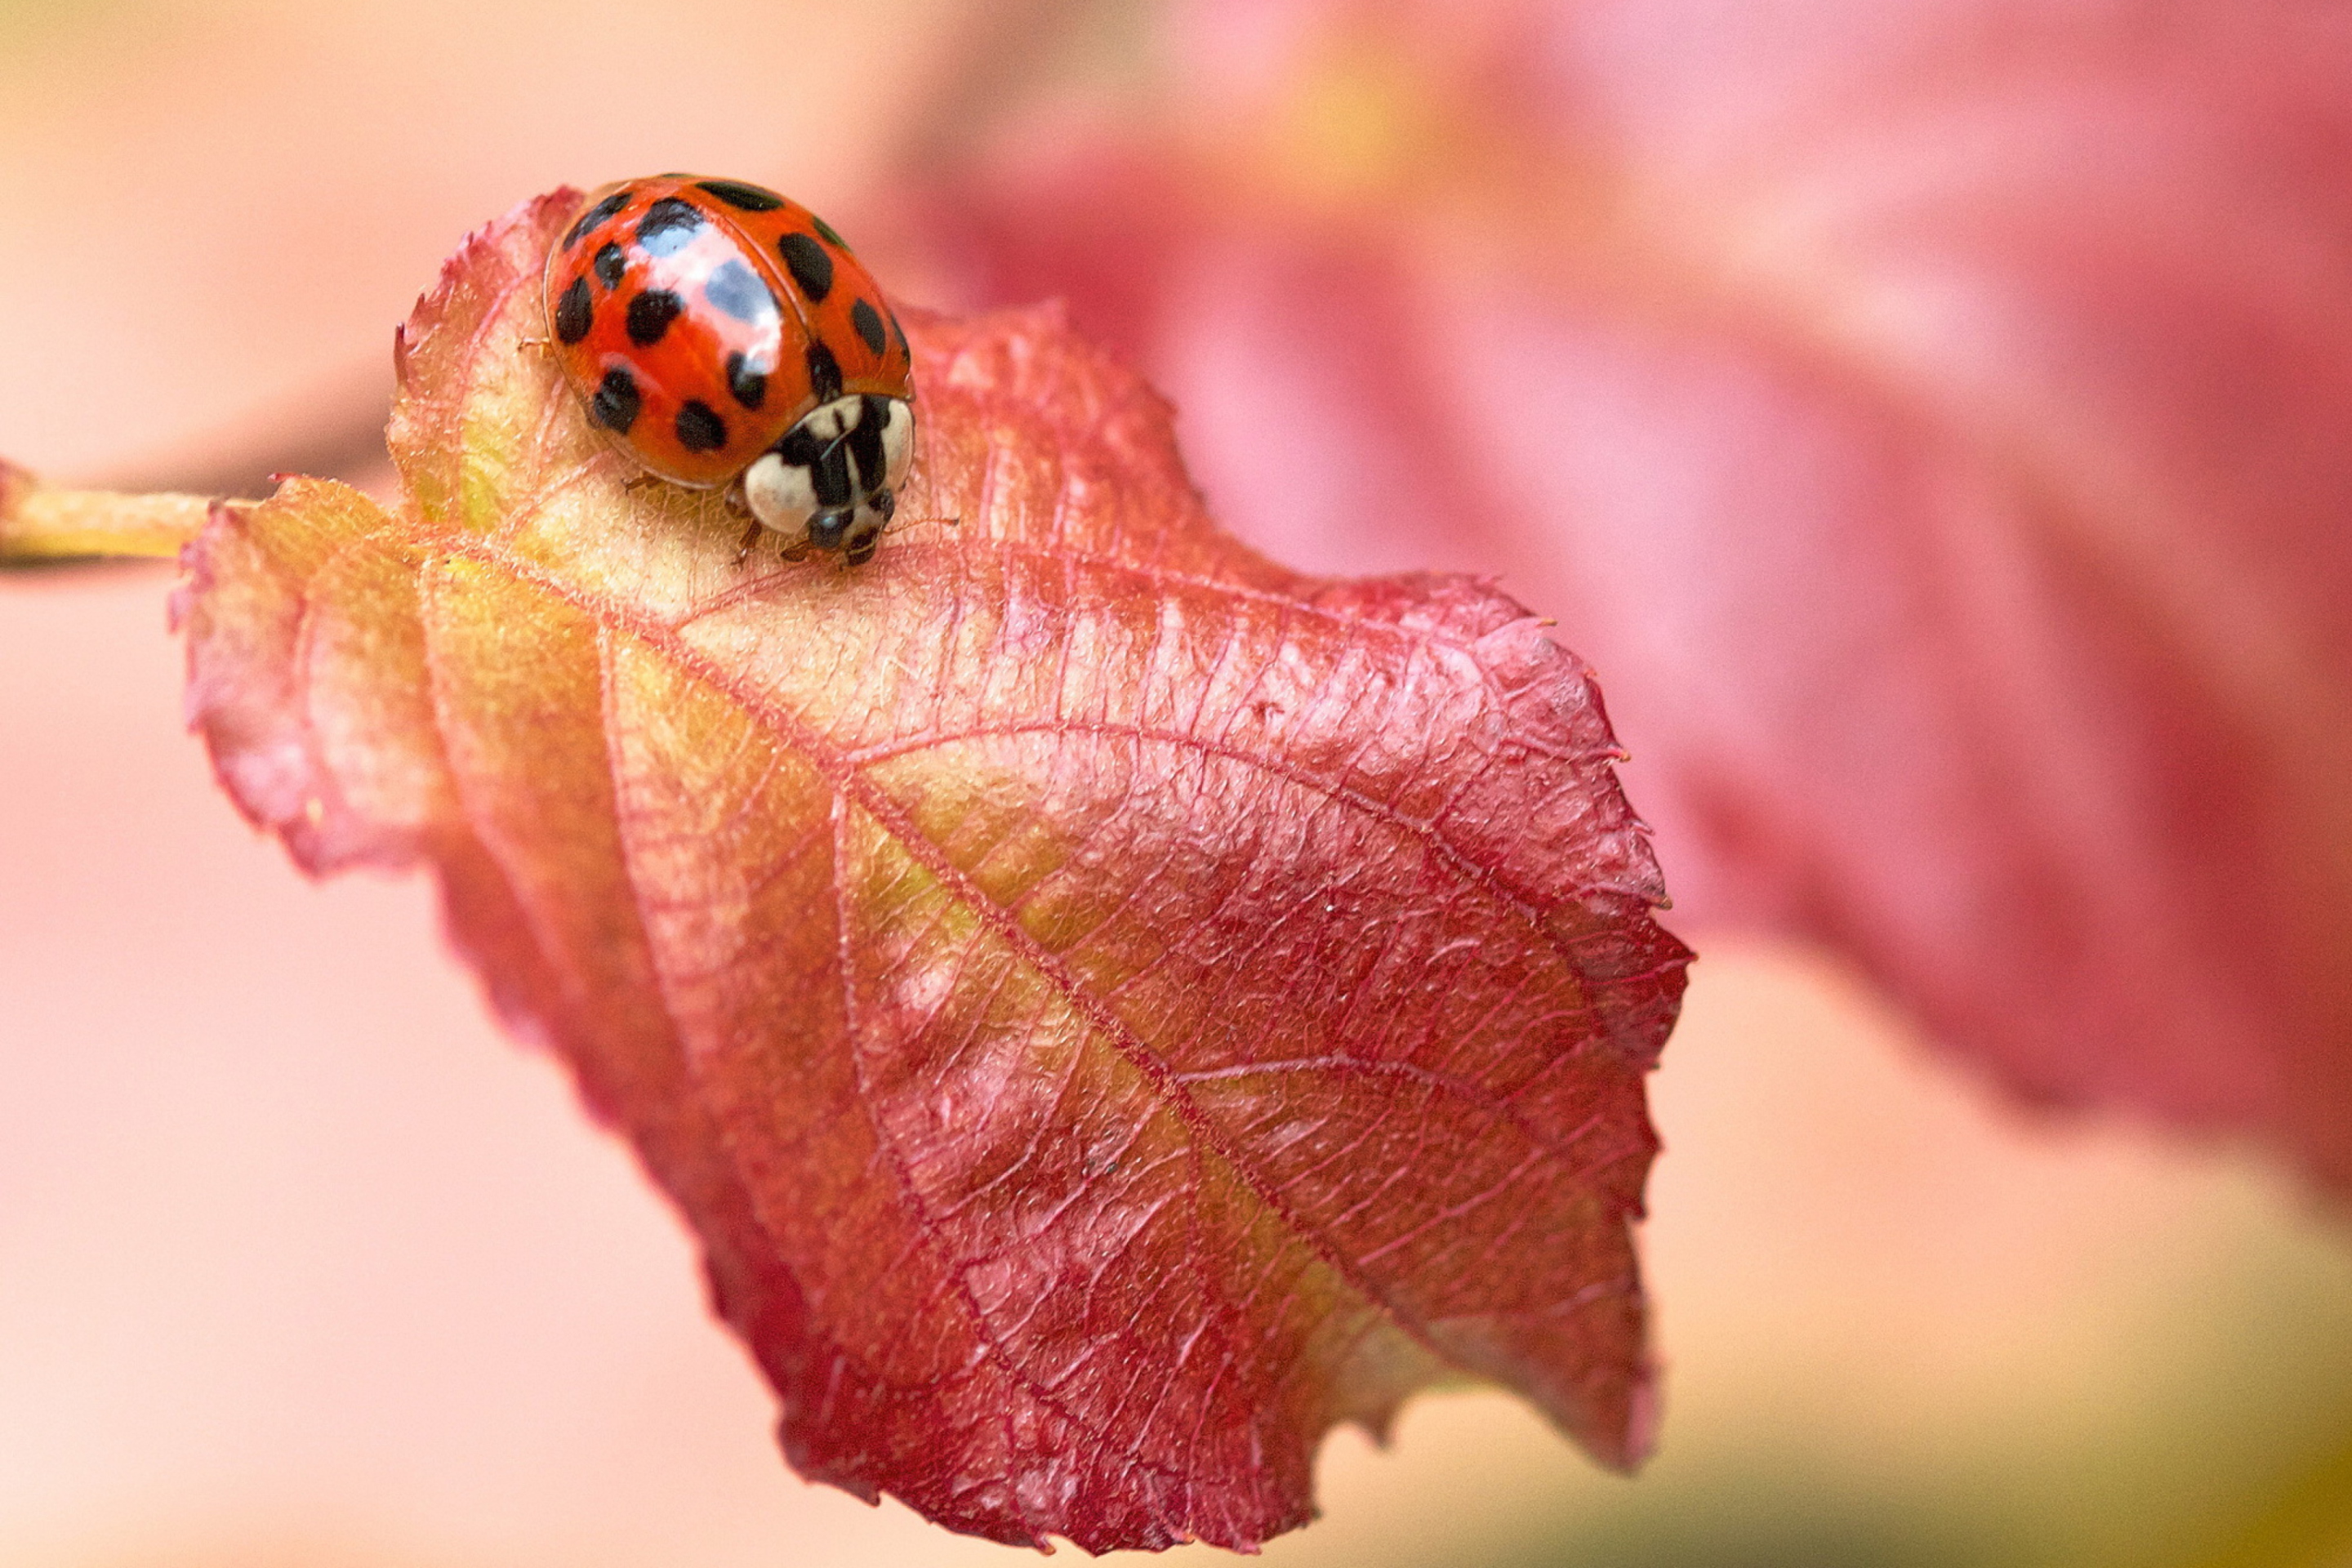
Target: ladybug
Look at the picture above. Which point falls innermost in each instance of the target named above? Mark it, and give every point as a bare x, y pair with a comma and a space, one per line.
721, 335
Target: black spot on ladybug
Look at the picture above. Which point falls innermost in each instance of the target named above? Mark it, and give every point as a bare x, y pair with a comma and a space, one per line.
650, 314
749, 385
609, 265
823, 373
868, 322
797, 445
864, 441
900, 332
669, 226
594, 215
741, 197
735, 289
699, 429
812, 265
617, 402
575, 311
825, 232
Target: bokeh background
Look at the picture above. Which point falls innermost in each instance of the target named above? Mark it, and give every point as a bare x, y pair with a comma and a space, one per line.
301, 1262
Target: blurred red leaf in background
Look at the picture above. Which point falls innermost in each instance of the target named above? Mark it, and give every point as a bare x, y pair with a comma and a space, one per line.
1111, 1006
1931, 420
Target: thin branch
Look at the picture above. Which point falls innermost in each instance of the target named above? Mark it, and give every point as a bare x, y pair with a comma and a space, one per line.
39, 526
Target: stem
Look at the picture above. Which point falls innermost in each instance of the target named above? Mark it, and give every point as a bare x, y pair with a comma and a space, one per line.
38, 526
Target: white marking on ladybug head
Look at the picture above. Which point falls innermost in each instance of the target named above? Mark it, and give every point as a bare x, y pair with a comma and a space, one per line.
781, 495
814, 477
830, 421
897, 444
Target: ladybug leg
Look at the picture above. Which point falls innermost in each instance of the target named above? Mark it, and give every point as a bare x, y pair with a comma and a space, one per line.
639, 481
857, 545
734, 495
795, 552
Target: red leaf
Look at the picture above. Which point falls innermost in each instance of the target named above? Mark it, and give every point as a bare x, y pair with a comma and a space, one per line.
1930, 418
1111, 1006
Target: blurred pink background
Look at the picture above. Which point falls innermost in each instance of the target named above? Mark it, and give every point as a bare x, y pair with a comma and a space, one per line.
300, 1262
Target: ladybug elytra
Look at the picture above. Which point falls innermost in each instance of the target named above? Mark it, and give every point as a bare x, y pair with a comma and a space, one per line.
721, 335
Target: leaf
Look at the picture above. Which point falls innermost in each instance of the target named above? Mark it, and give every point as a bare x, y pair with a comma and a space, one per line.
1111, 1006
1930, 418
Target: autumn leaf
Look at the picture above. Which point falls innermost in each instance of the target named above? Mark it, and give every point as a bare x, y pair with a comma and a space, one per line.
1111, 1006
1930, 417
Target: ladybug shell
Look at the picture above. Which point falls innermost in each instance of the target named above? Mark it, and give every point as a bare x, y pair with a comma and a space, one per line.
700, 319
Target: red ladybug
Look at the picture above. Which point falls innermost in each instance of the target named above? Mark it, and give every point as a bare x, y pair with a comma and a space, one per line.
722, 335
